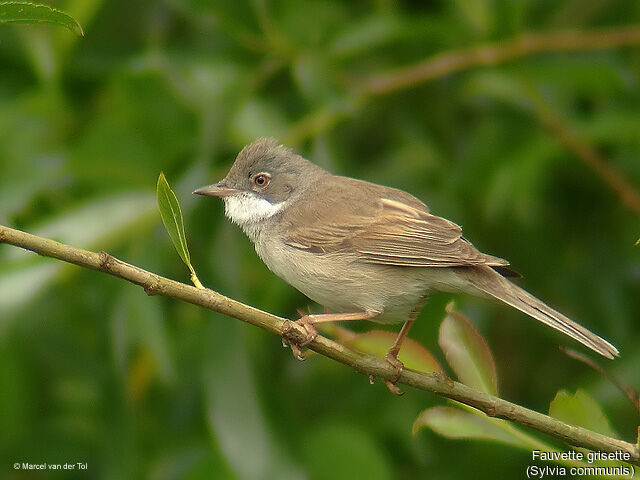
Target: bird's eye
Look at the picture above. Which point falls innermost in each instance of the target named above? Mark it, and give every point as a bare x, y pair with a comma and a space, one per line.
261, 179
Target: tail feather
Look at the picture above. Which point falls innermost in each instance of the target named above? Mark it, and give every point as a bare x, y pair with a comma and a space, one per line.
493, 284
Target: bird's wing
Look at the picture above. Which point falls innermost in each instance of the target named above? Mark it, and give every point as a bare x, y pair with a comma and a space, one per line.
393, 234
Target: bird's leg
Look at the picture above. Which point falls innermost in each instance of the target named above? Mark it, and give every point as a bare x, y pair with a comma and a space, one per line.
308, 321
392, 354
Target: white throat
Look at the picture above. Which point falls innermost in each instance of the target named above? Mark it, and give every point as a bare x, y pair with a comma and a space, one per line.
247, 210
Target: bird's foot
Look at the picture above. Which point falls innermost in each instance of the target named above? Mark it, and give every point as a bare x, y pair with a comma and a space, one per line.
305, 321
392, 359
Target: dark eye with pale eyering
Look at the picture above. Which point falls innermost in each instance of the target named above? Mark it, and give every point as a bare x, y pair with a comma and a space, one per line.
261, 179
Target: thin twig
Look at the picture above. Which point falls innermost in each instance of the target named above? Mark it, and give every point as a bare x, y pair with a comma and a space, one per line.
628, 390
446, 63
437, 383
563, 133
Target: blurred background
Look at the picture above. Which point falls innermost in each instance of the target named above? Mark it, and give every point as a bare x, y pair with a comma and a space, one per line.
536, 156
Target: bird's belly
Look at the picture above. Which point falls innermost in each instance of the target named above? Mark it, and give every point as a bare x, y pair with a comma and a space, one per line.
343, 284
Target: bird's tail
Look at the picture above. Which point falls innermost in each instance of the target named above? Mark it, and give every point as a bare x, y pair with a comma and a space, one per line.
493, 284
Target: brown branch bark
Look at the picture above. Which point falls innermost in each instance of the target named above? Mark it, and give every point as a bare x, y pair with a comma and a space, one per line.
437, 383
446, 63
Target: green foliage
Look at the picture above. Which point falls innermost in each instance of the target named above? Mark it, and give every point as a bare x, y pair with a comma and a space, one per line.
95, 370
26, 12
467, 352
171, 215
470, 358
378, 342
580, 409
456, 423
172, 218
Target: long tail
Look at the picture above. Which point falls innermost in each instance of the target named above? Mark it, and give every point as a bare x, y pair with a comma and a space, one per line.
492, 283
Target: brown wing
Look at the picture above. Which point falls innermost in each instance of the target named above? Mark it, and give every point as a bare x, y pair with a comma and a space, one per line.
393, 234
405, 236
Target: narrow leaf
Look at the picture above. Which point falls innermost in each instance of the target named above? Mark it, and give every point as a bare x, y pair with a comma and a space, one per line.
452, 422
26, 12
581, 410
467, 352
172, 218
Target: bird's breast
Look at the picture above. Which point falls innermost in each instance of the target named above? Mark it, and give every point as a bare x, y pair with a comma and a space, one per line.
342, 282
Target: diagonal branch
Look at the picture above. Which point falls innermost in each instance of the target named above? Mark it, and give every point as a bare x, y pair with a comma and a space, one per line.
437, 383
585, 152
450, 62
447, 63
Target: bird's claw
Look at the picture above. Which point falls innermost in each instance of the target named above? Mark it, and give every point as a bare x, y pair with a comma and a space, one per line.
399, 368
296, 351
393, 388
312, 333
296, 347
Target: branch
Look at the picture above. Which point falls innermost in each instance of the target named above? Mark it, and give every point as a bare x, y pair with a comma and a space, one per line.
446, 63
600, 166
451, 62
437, 383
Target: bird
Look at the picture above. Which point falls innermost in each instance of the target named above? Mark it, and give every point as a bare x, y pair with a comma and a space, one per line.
363, 250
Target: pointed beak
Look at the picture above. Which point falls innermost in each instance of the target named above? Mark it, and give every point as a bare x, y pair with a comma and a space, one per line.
216, 190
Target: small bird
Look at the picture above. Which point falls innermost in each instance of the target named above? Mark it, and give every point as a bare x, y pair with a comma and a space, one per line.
364, 251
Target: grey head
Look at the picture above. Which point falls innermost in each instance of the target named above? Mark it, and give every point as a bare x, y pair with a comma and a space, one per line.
264, 179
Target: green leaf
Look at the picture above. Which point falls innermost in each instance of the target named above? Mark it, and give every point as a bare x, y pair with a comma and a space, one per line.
582, 410
378, 342
26, 12
451, 422
172, 218
467, 352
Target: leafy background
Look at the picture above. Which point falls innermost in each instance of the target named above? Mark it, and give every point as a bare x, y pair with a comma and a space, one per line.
95, 371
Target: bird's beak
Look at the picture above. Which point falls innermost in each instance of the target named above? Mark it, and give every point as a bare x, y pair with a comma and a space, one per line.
216, 190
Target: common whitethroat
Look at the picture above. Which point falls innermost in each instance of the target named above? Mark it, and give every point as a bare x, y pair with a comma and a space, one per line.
364, 251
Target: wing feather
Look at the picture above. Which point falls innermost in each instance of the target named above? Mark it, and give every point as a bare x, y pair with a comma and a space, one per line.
394, 234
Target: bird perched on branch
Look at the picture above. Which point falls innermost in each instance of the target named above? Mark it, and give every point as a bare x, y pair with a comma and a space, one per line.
365, 251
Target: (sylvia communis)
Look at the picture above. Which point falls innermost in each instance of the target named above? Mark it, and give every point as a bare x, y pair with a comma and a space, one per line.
365, 251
